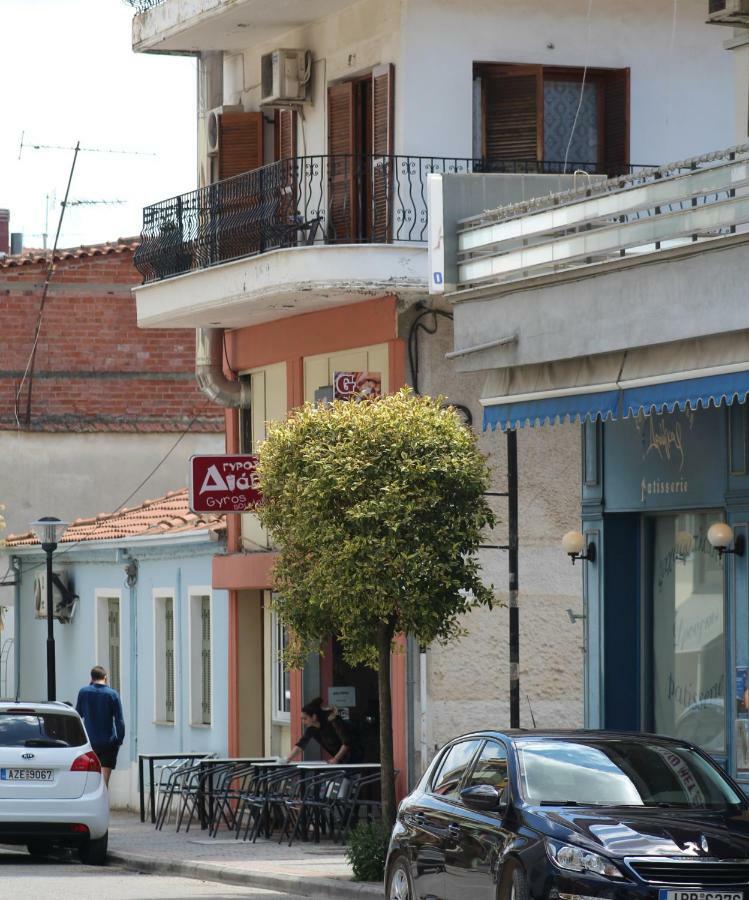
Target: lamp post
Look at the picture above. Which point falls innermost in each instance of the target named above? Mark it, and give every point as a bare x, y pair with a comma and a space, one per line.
49, 530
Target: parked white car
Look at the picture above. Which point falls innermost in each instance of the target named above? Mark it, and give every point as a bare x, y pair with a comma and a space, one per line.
51, 789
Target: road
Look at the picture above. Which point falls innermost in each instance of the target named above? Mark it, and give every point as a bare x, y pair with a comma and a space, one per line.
62, 879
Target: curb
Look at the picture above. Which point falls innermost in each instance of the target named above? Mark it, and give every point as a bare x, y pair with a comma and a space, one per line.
316, 888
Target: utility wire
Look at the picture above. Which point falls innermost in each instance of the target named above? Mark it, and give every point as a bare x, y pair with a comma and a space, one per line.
582, 87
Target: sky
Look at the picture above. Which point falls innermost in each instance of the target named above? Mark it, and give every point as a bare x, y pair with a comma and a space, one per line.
68, 74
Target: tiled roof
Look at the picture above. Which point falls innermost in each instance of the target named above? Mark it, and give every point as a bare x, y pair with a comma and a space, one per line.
121, 245
167, 515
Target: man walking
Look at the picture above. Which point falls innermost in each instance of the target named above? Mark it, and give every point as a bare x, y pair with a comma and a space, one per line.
101, 710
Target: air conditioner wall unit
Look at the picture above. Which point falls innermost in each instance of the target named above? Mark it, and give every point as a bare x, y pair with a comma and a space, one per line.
734, 13
284, 77
213, 126
64, 599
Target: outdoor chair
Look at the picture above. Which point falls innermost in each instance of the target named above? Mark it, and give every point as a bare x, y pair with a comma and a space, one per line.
199, 787
349, 808
162, 772
225, 797
173, 789
314, 805
254, 804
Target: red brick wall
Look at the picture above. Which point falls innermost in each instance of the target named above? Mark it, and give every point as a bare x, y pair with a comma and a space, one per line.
95, 370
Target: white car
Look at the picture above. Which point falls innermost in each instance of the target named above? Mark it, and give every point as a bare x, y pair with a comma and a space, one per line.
51, 789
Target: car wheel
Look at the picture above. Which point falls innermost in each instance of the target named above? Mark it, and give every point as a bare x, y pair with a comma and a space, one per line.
94, 853
514, 882
38, 849
400, 886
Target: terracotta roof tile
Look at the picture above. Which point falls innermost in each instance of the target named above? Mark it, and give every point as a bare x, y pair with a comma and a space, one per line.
29, 256
166, 515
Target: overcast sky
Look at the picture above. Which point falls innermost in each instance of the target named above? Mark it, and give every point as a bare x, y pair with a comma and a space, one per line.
68, 73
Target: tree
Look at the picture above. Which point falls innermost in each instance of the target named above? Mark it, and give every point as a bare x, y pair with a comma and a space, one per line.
377, 509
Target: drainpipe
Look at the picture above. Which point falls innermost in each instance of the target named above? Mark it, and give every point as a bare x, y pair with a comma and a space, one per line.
16, 564
209, 371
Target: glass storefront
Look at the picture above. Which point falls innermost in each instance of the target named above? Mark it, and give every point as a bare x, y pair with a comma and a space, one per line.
688, 653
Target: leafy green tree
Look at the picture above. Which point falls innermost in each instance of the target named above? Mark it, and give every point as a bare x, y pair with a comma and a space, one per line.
377, 509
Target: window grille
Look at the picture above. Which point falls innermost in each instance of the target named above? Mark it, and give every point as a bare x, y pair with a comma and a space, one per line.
113, 615
205, 659
169, 659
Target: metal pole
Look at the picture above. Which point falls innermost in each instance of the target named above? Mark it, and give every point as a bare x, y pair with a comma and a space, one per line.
49, 549
512, 498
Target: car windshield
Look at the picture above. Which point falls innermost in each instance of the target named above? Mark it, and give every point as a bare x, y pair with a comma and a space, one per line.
41, 729
621, 773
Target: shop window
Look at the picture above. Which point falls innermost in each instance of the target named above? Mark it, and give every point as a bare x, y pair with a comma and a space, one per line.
688, 660
281, 677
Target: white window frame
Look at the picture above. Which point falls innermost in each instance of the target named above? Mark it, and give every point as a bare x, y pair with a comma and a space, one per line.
160, 595
195, 596
102, 596
278, 716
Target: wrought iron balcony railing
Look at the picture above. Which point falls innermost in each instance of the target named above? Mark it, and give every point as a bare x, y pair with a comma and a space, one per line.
142, 5
304, 201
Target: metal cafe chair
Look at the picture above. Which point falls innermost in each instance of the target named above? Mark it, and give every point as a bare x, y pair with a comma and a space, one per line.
225, 797
199, 787
263, 794
175, 784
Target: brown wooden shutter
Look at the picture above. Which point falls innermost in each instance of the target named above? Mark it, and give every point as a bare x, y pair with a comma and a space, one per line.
616, 122
240, 143
286, 133
288, 181
383, 163
513, 115
341, 223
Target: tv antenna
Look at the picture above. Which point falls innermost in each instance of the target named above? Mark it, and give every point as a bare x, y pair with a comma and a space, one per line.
33, 145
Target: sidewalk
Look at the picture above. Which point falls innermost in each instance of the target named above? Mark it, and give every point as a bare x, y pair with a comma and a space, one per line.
304, 869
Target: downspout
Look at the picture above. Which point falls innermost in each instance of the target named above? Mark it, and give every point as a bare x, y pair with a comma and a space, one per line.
209, 371
17, 570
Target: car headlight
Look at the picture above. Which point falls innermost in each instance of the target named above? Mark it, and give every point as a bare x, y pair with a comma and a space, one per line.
576, 859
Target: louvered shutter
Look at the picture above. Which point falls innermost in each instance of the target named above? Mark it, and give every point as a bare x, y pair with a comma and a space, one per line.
341, 164
383, 111
240, 143
616, 122
288, 182
286, 124
512, 114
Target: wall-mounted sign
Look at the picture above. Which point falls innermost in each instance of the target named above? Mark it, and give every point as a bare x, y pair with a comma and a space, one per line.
357, 385
222, 483
666, 461
342, 697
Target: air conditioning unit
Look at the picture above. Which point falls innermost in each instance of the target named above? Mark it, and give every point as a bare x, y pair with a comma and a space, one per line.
213, 126
284, 76
728, 12
64, 599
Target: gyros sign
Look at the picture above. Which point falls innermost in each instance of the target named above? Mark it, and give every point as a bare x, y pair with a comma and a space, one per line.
222, 484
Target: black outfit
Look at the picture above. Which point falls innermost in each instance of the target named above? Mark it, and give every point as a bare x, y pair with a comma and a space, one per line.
331, 735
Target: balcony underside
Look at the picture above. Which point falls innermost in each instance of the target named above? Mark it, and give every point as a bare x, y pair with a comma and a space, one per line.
281, 283
187, 26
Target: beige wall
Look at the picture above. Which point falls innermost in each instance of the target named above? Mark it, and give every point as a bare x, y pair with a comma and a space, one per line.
468, 681
250, 658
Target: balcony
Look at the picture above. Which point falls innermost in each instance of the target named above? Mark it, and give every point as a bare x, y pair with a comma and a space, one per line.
655, 258
295, 236
188, 26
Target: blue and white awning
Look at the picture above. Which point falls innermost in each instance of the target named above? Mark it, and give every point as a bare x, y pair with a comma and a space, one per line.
618, 386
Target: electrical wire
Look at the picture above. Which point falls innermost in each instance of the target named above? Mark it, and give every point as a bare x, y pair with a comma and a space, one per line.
582, 87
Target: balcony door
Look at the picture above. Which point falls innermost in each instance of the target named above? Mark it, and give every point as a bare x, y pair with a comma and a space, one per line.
360, 147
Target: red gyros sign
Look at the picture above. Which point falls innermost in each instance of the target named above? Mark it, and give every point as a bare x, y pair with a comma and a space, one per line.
222, 484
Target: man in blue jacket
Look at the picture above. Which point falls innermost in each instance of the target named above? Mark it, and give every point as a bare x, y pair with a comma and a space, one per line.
101, 710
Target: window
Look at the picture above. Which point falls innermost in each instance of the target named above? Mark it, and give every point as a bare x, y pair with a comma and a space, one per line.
200, 657
453, 768
525, 114
281, 677
18, 730
491, 767
164, 657
108, 635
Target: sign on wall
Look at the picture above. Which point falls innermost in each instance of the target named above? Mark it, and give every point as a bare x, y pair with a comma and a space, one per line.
223, 483
357, 385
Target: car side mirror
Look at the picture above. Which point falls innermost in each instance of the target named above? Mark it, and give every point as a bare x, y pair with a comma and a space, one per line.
484, 797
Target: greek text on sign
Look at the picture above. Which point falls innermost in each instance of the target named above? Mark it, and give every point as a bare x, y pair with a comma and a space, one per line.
357, 385
223, 483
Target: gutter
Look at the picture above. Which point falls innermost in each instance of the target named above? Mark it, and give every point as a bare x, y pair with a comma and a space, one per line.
209, 371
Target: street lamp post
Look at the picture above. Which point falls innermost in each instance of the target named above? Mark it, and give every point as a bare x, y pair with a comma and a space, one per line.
49, 530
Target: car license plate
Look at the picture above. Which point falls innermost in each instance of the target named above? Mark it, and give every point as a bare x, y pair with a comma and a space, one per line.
25, 774
683, 894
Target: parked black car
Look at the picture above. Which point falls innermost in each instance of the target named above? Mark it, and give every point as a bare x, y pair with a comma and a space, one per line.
571, 815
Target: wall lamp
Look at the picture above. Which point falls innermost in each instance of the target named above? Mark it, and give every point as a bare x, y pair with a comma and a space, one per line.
720, 535
576, 546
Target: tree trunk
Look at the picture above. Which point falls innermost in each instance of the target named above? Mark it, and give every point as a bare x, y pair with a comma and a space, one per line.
384, 644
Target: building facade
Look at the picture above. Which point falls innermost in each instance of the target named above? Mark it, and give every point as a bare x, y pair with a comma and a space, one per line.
305, 251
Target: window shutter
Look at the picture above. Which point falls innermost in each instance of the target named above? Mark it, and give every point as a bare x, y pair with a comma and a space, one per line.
616, 122
286, 133
383, 110
513, 126
240, 143
169, 667
113, 615
341, 170
205, 659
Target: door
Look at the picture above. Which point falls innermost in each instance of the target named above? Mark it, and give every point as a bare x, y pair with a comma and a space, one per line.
474, 853
432, 820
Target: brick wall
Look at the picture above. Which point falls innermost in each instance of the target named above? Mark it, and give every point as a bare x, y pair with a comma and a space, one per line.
95, 370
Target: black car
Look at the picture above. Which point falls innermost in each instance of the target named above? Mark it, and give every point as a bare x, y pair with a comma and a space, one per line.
571, 815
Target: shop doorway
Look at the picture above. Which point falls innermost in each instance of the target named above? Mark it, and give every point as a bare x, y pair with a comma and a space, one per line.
353, 689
